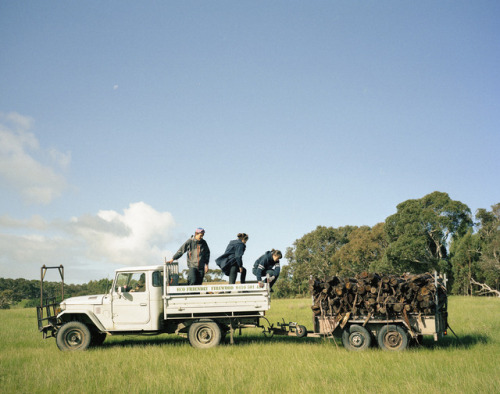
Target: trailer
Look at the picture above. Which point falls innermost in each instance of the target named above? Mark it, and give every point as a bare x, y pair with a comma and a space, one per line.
393, 332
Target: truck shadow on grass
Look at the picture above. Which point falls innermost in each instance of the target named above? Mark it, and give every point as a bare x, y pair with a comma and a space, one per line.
144, 341
173, 340
463, 342
246, 340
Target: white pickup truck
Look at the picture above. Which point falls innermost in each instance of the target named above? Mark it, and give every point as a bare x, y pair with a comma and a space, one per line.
148, 300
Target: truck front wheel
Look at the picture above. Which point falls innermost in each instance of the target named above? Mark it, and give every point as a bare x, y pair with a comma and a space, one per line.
73, 336
392, 337
204, 334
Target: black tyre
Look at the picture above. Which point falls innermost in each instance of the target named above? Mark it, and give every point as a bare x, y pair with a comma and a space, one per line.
393, 338
417, 341
73, 336
98, 338
301, 331
204, 334
223, 332
356, 338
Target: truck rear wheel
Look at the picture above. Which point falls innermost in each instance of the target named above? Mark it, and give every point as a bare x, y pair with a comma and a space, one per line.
356, 338
204, 334
73, 336
392, 337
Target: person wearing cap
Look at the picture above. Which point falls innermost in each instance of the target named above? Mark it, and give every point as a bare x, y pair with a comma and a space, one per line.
231, 261
198, 255
268, 264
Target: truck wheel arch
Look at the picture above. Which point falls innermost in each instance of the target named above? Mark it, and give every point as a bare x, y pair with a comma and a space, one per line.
86, 318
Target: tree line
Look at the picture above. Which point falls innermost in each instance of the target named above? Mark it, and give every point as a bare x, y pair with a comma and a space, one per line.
426, 234
13, 291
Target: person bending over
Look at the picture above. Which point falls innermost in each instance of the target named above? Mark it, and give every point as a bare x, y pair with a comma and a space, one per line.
268, 264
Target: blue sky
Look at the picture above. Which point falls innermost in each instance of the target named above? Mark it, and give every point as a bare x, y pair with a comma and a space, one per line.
125, 125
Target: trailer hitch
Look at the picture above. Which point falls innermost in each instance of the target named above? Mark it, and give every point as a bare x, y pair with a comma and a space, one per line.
283, 328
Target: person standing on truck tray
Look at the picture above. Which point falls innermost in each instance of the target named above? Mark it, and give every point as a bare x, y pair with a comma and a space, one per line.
268, 264
231, 261
198, 255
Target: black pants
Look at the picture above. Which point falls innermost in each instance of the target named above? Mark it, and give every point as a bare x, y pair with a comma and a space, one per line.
195, 276
233, 272
264, 276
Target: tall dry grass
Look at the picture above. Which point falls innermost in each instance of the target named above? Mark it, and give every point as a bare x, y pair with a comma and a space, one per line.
167, 363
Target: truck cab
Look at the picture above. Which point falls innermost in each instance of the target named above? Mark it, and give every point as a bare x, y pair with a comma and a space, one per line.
133, 303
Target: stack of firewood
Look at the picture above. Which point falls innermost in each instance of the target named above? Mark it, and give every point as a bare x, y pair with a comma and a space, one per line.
373, 294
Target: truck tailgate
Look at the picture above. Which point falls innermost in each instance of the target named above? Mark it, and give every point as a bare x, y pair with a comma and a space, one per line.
250, 298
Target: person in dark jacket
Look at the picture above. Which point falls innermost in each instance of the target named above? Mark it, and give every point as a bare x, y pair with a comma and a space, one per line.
231, 261
268, 264
198, 255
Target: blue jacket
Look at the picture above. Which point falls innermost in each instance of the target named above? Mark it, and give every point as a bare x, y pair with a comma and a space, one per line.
265, 263
232, 256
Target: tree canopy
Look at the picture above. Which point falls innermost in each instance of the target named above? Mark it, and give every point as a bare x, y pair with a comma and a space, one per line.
477, 254
433, 232
420, 230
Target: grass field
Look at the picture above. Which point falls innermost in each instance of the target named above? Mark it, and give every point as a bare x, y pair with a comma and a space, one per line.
167, 363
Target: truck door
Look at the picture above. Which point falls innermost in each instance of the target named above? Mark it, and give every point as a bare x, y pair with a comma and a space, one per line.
131, 299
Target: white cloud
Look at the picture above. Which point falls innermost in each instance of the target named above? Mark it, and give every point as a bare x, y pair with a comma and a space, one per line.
36, 222
89, 244
135, 237
24, 122
20, 170
63, 160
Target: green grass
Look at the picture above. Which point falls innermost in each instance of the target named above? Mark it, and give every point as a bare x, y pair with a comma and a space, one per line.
167, 363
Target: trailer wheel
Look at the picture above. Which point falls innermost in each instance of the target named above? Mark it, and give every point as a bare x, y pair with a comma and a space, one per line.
356, 337
301, 331
73, 336
393, 338
204, 334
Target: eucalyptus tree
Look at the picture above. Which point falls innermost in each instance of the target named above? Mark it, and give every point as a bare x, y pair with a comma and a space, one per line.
315, 254
489, 234
364, 251
465, 254
420, 231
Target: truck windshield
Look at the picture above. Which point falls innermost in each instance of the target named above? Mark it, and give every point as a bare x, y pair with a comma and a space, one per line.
131, 281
